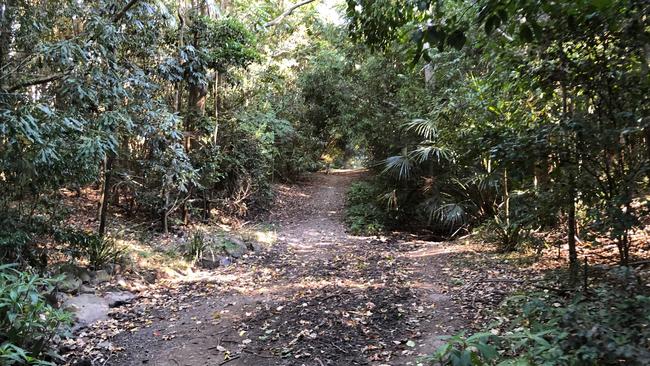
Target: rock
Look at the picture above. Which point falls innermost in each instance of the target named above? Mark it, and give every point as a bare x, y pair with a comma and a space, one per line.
113, 268
235, 247
61, 298
255, 246
209, 260
208, 263
84, 276
225, 261
83, 362
69, 284
122, 283
101, 276
87, 309
115, 299
86, 289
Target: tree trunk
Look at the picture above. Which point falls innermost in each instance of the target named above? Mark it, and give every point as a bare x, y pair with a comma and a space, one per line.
215, 133
571, 229
571, 199
106, 188
165, 212
428, 76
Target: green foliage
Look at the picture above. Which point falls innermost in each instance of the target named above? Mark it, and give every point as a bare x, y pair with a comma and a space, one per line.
196, 247
606, 327
98, 251
533, 89
364, 215
101, 251
465, 351
27, 322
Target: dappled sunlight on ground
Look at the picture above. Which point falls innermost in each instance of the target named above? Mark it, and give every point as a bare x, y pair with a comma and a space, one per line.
318, 296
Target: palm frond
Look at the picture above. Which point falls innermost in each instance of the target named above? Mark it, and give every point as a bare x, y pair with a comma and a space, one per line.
451, 215
427, 150
399, 166
423, 127
485, 181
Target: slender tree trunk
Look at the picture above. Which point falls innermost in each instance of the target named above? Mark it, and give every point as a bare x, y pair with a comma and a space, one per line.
506, 196
428, 76
5, 33
571, 229
571, 199
646, 133
106, 188
165, 212
215, 133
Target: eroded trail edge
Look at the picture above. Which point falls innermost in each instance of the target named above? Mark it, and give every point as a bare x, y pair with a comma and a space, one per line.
318, 297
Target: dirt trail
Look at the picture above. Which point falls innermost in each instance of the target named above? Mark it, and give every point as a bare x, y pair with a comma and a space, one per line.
319, 297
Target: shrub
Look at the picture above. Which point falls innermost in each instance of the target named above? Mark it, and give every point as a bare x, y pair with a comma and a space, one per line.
99, 251
102, 251
363, 214
607, 327
196, 247
27, 322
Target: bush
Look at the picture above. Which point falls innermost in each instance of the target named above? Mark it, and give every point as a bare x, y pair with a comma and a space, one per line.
27, 322
196, 247
363, 215
99, 251
607, 327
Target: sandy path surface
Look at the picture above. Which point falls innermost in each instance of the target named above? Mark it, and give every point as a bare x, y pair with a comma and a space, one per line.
318, 297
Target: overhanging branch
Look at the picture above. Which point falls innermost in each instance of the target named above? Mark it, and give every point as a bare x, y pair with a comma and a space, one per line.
122, 12
287, 12
36, 81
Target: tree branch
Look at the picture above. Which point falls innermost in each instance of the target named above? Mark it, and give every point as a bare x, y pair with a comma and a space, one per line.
49, 78
287, 12
122, 12
36, 81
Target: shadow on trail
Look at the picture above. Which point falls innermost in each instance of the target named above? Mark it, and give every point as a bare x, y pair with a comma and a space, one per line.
319, 297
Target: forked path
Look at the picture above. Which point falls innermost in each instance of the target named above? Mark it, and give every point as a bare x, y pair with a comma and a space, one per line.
319, 297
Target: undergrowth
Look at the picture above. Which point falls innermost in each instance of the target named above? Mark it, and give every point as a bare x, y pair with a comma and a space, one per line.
605, 326
363, 214
28, 323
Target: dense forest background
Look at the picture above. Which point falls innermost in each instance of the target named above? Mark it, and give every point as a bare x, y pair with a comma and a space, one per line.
514, 121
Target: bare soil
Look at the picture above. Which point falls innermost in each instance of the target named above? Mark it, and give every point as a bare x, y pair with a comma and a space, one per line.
319, 297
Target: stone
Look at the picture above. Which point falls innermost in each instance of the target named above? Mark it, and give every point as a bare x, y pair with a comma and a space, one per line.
70, 283
255, 246
235, 247
87, 309
210, 260
101, 276
84, 289
225, 261
115, 299
84, 276
113, 268
61, 298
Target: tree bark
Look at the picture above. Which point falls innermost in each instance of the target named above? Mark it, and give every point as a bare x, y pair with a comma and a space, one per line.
287, 12
571, 199
106, 188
